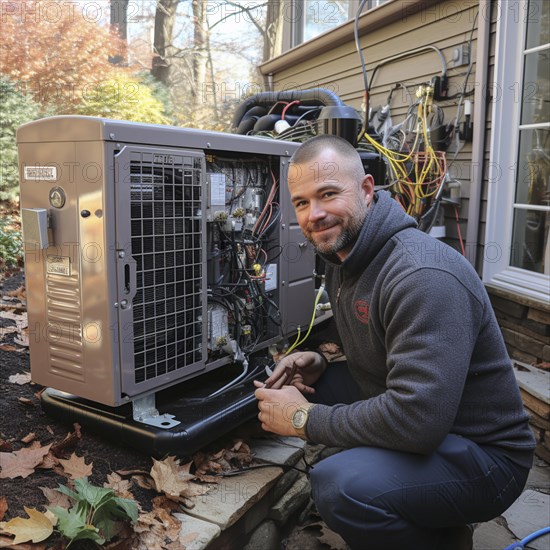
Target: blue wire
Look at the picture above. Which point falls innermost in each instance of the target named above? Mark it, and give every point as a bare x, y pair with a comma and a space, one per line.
520, 544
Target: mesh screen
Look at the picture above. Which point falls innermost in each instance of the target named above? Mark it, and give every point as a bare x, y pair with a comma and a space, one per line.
166, 244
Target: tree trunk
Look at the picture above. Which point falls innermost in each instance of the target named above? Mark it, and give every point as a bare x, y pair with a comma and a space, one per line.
119, 21
200, 53
165, 18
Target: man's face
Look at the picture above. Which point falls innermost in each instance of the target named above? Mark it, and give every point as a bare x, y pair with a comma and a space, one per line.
330, 203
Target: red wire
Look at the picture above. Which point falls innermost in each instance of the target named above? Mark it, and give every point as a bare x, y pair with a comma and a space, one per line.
285, 108
459, 233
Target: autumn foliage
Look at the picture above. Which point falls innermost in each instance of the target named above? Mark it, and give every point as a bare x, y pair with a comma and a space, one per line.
55, 51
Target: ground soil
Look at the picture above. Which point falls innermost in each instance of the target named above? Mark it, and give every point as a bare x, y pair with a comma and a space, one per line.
21, 414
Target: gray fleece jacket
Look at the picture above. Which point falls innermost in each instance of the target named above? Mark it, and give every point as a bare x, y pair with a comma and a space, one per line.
422, 341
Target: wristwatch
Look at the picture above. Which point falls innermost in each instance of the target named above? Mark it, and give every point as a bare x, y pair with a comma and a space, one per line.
299, 419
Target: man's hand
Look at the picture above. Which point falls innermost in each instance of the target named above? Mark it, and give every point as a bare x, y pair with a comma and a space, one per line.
309, 366
277, 407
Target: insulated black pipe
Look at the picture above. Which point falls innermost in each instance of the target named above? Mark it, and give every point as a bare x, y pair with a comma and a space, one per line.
313, 96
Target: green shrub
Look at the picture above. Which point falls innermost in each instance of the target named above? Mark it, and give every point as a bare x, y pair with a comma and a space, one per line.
124, 97
11, 243
15, 109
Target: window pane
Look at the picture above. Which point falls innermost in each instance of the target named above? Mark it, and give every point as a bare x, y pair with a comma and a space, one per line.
323, 15
538, 23
533, 175
536, 88
530, 243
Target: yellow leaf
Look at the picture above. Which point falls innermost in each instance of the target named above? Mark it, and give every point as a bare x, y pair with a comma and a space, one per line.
36, 528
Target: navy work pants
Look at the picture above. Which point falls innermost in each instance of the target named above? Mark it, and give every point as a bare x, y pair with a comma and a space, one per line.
380, 499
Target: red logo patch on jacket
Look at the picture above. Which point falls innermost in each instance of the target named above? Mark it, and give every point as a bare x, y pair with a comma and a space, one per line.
362, 311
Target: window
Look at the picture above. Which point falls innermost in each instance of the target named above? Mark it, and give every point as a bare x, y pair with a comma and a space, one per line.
517, 245
314, 17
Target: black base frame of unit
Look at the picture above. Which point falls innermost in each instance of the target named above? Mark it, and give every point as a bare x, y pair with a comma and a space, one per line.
202, 419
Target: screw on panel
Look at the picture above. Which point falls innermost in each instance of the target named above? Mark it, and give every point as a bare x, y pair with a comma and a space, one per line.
121, 254
112, 136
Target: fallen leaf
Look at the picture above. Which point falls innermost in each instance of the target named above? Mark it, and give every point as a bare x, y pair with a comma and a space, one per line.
21, 463
3, 507
68, 444
49, 462
76, 467
19, 293
55, 498
20, 378
5, 446
36, 528
8, 347
29, 437
167, 477
145, 482
26, 401
120, 486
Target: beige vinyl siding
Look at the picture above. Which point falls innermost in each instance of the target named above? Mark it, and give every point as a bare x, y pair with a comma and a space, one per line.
446, 25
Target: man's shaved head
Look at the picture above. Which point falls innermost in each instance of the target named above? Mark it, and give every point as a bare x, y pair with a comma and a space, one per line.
350, 159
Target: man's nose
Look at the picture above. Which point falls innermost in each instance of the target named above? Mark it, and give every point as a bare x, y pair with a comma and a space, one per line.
316, 211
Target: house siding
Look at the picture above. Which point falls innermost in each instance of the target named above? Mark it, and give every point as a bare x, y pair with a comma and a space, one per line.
446, 25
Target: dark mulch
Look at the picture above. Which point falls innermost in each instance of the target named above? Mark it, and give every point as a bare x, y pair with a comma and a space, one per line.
18, 418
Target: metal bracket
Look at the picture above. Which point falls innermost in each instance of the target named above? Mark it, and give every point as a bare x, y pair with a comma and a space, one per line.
145, 411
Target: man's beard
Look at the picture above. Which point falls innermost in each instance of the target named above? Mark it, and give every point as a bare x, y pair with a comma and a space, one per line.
345, 240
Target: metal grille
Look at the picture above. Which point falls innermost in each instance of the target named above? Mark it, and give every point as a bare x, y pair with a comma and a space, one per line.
165, 203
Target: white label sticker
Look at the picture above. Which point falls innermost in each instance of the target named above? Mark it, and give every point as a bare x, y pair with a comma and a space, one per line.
271, 278
58, 265
40, 173
217, 189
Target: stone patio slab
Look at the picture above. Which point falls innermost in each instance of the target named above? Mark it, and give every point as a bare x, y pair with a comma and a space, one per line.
196, 534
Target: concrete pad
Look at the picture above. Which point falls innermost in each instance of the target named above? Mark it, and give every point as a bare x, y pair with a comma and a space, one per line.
196, 534
529, 513
227, 502
492, 536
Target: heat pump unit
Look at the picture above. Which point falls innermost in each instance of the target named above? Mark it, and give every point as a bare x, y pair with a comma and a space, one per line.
155, 254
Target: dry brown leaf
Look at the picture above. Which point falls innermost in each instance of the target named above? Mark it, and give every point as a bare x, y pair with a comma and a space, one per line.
120, 486
49, 462
36, 528
145, 482
3, 507
55, 498
7, 347
152, 532
76, 467
168, 477
23, 462
19, 293
60, 450
7, 542
5, 446
28, 438
26, 401
20, 378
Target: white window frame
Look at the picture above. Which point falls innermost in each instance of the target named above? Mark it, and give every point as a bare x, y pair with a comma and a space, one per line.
497, 271
298, 23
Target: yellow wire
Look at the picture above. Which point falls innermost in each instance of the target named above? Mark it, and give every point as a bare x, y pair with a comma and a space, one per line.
297, 342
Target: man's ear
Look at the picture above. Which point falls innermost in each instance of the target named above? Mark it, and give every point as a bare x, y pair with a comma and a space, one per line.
367, 186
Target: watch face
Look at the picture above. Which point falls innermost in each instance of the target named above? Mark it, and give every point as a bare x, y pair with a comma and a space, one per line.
299, 418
